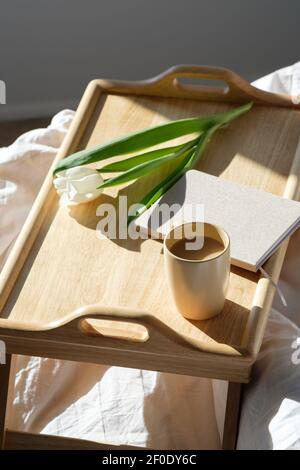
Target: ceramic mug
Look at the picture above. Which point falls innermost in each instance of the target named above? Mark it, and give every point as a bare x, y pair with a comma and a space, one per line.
199, 286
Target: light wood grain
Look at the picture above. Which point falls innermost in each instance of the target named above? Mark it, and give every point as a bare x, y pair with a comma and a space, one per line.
165, 351
69, 267
258, 315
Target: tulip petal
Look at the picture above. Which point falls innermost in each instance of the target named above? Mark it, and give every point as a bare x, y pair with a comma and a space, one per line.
79, 172
88, 183
60, 183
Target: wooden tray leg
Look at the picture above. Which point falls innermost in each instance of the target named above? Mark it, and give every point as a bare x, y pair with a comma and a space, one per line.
4, 382
232, 416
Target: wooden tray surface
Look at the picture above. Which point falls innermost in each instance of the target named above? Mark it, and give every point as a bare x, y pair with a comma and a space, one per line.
69, 267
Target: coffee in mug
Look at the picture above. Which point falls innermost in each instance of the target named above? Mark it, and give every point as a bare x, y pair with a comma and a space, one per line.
197, 263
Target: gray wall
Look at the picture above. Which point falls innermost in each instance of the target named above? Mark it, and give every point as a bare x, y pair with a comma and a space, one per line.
50, 49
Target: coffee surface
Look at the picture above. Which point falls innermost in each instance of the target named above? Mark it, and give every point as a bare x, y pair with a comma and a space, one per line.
189, 249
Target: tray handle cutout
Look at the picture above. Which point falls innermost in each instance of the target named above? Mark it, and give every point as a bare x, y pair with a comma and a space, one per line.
114, 329
177, 78
138, 326
172, 83
120, 323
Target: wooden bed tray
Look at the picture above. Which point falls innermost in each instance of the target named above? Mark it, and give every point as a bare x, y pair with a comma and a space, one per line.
58, 266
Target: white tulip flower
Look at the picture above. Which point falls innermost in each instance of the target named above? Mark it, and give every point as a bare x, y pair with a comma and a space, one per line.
78, 185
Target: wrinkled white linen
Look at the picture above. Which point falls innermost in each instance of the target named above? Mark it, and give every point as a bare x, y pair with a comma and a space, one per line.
128, 406
23, 166
286, 81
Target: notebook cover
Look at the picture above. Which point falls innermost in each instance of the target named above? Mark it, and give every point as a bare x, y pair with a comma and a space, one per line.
257, 222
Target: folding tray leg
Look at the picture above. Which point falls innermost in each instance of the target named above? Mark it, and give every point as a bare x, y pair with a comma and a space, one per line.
4, 383
232, 416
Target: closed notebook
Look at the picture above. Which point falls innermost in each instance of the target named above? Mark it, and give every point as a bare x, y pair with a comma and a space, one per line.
257, 222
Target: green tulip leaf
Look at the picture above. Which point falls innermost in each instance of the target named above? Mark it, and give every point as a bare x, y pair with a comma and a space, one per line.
148, 138
147, 167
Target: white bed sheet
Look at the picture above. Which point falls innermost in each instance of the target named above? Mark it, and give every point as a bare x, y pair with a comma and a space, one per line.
117, 405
